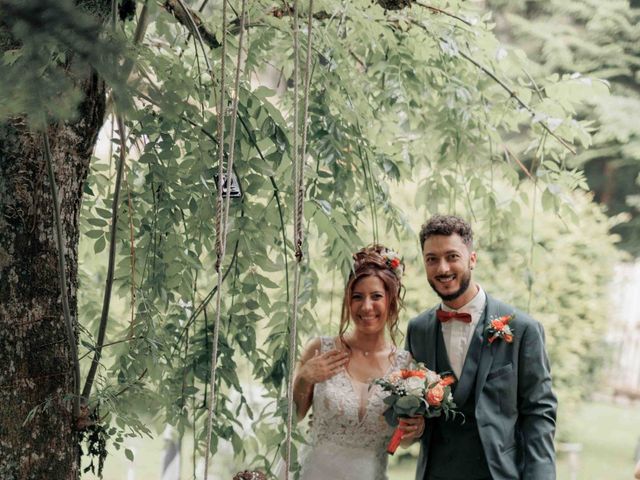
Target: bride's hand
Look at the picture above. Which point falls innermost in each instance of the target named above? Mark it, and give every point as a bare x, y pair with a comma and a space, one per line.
412, 427
323, 366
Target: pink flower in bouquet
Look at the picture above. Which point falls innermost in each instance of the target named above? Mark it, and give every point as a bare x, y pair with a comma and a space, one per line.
435, 395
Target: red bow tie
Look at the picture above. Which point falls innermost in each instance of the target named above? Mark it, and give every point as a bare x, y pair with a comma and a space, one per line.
446, 316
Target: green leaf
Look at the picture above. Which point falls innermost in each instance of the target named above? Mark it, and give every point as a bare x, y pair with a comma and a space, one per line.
103, 212
97, 222
407, 405
129, 454
99, 245
94, 233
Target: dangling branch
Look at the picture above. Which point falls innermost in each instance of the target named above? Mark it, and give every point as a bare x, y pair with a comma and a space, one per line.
132, 256
104, 317
443, 12
194, 23
205, 302
519, 162
515, 96
189, 18
62, 275
504, 86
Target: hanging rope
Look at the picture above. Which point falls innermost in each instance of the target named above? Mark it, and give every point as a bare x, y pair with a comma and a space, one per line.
222, 212
298, 213
234, 120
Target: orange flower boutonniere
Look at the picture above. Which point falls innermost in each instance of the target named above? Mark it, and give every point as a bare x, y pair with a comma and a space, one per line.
499, 328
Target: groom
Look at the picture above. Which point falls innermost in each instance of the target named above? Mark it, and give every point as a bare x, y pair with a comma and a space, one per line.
503, 387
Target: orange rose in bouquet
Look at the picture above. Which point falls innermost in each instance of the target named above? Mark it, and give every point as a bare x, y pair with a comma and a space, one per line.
435, 395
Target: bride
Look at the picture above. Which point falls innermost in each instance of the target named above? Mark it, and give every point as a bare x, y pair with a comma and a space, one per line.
348, 433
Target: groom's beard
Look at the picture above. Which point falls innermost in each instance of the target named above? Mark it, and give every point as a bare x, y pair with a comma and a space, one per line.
464, 285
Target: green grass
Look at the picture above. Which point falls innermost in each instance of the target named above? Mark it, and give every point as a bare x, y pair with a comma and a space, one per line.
608, 434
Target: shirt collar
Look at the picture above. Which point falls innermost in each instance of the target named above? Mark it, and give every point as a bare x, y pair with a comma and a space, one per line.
474, 307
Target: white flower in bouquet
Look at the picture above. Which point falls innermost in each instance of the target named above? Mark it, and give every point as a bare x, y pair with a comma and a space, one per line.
414, 386
432, 377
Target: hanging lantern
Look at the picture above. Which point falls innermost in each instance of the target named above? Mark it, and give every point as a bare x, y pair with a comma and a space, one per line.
235, 189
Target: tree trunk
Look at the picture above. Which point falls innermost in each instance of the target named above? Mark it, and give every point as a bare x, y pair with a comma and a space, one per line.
36, 368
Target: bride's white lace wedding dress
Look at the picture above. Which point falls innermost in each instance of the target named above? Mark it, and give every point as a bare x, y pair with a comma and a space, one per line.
348, 432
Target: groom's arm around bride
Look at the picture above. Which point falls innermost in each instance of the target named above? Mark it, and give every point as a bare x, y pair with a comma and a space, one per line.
497, 353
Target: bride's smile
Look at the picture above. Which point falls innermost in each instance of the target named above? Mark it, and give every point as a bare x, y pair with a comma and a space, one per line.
368, 305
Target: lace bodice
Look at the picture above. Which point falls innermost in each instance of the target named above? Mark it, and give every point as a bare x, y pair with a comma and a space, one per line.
340, 424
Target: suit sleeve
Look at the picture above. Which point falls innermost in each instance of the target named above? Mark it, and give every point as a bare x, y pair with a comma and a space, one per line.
407, 340
537, 406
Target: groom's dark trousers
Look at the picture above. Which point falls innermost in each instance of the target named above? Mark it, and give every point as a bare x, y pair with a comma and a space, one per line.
504, 392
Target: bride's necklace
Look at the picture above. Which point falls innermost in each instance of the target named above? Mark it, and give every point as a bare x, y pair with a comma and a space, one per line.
370, 352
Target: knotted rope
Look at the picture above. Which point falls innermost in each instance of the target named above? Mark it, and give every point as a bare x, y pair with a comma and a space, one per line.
298, 213
222, 212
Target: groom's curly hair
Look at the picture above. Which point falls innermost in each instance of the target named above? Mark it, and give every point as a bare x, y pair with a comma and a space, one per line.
447, 225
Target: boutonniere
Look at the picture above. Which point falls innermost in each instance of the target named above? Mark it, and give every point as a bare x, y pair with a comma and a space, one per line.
499, 328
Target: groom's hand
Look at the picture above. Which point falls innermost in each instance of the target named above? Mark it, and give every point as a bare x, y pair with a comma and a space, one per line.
413, 428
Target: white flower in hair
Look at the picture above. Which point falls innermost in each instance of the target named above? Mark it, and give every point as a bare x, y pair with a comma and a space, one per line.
394, 262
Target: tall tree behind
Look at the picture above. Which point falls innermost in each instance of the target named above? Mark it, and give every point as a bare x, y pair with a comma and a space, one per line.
37, 428
600, 39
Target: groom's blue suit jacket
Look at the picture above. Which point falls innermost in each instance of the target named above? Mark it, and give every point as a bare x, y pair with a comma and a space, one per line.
515, 405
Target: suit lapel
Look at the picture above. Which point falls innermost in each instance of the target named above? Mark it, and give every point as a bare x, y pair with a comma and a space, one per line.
486, 359
431, 337
442, 356
470, 366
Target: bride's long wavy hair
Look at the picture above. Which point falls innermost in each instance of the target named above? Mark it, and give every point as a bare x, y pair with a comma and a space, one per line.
374, 260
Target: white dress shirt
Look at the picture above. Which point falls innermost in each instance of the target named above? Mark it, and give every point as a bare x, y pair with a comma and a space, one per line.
457, 335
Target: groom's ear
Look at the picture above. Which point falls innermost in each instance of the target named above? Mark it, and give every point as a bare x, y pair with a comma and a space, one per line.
473, 258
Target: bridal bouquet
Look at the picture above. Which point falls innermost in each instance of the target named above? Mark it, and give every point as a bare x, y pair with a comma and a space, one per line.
418, 391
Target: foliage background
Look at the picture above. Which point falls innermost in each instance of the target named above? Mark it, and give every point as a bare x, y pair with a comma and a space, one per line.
600, 40
411, 113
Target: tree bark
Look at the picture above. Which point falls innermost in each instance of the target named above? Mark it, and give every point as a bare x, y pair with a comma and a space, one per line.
36, 367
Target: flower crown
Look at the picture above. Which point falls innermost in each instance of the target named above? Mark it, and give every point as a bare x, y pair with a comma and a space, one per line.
394, 262
379, 256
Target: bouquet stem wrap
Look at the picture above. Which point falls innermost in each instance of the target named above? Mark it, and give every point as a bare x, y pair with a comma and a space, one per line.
394, 443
